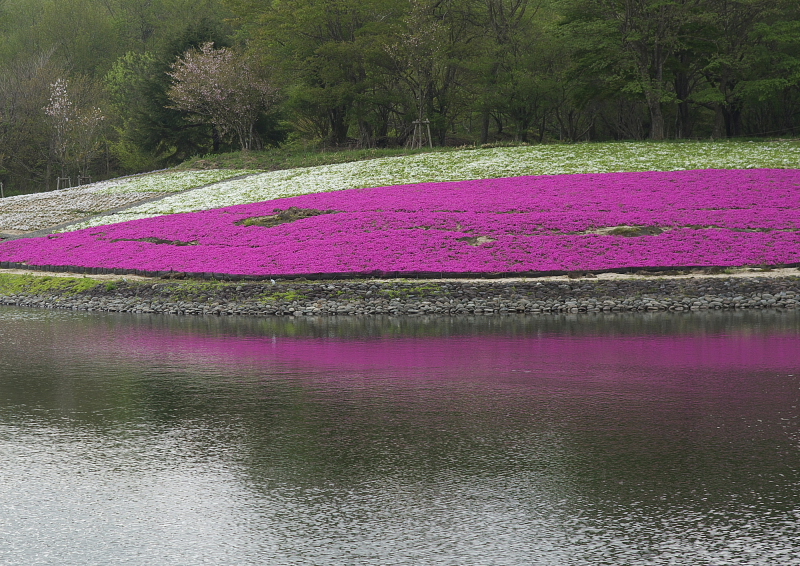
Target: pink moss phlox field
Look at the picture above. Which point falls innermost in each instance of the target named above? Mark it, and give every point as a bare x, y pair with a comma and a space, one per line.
546, 223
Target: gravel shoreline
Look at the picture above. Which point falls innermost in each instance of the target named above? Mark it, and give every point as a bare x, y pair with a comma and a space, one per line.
422, 297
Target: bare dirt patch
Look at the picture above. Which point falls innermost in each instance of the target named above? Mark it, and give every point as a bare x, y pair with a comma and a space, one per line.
292, 214
157, 241
632, 231
477, 240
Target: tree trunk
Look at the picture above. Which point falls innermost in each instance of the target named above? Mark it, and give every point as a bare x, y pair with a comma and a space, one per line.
653, 86
338, 125
656, 119
719, 123
366, 137
542, 129
732, 113
522, 130
485, 121
683, 125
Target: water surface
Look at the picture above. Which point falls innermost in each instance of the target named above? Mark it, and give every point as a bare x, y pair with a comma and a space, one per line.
577, 440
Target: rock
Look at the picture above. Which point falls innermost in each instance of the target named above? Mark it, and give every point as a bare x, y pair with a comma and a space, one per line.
488, 298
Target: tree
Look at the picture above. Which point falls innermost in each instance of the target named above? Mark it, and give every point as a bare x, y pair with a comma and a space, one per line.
24, 135
751, 54
516, 68
429, 52
773, 92
329, 56
223, 87
634, 41
149, 131
61, 113
75, 126
80, 33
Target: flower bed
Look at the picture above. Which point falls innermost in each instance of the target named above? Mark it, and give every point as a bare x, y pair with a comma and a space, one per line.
550, 159
516, 225
41, 210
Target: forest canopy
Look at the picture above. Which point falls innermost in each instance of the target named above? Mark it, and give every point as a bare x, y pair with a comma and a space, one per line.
95, 88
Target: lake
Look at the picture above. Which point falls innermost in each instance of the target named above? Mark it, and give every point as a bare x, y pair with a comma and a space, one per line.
664, 438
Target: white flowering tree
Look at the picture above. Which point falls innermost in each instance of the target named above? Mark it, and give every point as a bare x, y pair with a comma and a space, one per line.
222, 87
61, 114
75, 131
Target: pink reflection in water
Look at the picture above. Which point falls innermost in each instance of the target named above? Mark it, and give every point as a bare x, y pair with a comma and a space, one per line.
598, 359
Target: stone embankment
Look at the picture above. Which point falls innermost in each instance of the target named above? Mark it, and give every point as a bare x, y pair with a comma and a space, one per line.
433, 297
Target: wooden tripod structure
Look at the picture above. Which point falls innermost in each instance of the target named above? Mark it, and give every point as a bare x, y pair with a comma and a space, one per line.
419, 133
